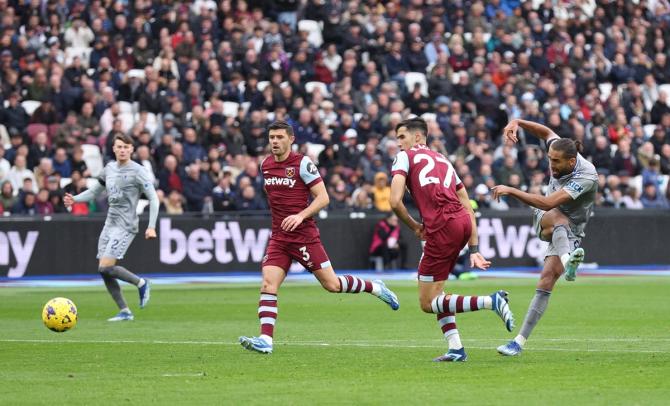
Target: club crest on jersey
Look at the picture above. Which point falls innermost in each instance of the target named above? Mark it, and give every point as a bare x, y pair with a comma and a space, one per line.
290, 172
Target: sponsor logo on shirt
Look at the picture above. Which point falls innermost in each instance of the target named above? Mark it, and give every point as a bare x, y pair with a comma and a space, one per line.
575, 186
274, 181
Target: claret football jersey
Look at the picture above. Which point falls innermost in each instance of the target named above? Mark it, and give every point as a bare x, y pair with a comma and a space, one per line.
287, 185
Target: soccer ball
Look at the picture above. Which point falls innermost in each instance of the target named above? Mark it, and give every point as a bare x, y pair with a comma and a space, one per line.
59, 314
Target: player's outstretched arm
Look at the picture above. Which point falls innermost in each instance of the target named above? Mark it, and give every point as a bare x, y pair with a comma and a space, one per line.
538, 130
397, 193
320, 200
545, 203
154, 205
85, 196
477, 260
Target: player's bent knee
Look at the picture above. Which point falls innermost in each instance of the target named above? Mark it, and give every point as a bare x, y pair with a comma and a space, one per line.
426, 307
105, 270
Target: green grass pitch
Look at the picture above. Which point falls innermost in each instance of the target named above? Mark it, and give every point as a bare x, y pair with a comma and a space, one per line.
603, 341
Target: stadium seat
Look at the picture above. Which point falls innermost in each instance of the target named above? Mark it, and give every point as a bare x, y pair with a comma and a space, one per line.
412, 78
127, 120
93, 158
4, 137
242, 86
82, 53
649, 130
137, 73
310, 86
314, 29
230, 109
33, 129
605, 91
357, 117
65, 181
151, 122
665, 88
262, 85
125, 107
30, 106
313, 150
429, 116
245, 106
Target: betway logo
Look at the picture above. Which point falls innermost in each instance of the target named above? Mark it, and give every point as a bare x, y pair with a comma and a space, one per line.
11, 242
514, 241
279, 182
202, 245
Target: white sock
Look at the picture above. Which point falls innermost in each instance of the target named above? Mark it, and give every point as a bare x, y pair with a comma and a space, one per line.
141, 283
521, 340
454, 341
376, 289
487, 302
267, 338
125, 310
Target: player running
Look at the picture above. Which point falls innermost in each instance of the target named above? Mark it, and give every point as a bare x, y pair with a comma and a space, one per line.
289, 180
448, 225
560, 217
125, 181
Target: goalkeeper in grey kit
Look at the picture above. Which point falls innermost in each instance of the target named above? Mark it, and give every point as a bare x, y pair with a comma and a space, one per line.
125, 181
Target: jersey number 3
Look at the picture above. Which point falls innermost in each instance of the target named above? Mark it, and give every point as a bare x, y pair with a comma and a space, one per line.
424, 179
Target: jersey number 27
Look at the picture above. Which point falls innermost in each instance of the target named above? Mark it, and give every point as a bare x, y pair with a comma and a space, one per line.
424, 179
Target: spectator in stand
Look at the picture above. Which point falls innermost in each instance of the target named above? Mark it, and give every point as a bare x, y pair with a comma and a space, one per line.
652, 199
223, 195
43, 205
197, 189
581, 67
387, 243
61, 163
25, 205
382, 193
7, 198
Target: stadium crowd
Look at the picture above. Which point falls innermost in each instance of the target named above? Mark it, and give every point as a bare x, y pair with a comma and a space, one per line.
197, 82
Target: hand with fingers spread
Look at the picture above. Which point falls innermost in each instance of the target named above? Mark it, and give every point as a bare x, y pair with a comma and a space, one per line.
510, 131
477, 260
500, 190
290, 223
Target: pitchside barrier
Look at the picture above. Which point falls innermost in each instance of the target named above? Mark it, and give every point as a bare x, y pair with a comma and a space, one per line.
62, 245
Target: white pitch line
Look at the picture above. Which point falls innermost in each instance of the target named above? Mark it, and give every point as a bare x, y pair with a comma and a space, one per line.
319, 344
185, 375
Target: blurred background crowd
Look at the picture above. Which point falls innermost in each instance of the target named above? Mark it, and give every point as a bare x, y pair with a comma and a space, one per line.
196, 83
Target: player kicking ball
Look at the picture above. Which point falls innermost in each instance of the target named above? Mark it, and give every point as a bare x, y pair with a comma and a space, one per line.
290, 179
125, 181
560, 217
448, 225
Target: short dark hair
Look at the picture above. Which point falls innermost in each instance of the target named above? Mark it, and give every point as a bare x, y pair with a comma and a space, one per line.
568, 147
282, 125
414, 124
124, 138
